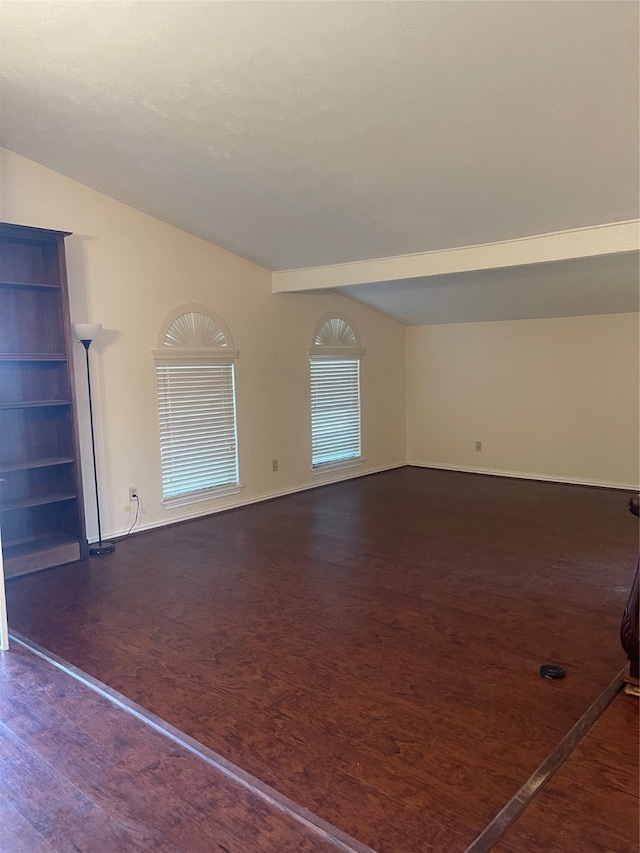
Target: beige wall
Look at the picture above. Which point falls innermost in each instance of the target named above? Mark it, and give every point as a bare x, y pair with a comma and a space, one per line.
551, 398
127, 271
555, 398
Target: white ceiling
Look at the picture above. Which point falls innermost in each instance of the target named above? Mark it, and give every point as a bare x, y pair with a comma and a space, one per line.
600, 285
301, 134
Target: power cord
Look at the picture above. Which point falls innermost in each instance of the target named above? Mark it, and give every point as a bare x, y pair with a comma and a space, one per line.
135, 520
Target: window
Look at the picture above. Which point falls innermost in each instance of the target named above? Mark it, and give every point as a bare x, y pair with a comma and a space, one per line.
334, 361
195, 365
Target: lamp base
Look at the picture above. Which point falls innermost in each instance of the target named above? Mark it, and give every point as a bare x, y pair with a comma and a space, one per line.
100, 548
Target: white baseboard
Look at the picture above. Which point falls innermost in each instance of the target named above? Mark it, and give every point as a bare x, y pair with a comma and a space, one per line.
528, 475
337, 476
341, 476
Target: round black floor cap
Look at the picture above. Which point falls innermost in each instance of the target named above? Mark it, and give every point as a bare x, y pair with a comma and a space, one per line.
550, 670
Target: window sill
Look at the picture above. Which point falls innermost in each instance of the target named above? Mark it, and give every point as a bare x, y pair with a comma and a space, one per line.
204, 495
329, 467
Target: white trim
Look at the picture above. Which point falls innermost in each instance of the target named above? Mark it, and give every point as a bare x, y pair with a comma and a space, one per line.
202, 495
265, 496
604, 239
315, 484
318, 351
169, 355
328, 467
527, 475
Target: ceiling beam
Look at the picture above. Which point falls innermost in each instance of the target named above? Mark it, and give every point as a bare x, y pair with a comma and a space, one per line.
607, 239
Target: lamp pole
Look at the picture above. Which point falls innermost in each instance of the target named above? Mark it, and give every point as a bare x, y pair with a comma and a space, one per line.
86, 334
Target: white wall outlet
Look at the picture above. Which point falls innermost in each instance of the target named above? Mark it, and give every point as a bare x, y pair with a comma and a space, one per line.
274, 465
478, 445
133, 493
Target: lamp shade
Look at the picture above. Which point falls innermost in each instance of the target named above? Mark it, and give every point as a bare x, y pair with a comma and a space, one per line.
86, 331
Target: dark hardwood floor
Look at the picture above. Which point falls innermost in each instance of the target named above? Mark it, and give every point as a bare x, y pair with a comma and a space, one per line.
370, 649
592, 801
80, 774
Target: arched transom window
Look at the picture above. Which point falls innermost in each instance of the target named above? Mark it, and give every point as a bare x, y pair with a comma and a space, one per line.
334, 363
195, 362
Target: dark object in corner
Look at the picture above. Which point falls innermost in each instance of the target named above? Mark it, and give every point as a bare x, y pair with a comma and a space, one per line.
629, 632
100, 548
550, 670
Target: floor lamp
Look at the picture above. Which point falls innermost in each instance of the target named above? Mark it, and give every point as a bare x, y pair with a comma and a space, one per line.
86, 333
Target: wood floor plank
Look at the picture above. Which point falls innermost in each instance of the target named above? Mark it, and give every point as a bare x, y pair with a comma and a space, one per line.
591, 804
83, 774
16, 833
36, 789
525, 795
371, 649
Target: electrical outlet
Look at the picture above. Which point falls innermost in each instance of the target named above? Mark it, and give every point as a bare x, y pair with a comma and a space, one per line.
274, 465
133, 493
478, 445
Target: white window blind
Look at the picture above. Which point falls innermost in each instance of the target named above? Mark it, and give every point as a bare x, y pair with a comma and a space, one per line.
198, 439
335, 409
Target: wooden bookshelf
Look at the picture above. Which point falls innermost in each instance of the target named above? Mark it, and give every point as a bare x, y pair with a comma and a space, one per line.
41, 506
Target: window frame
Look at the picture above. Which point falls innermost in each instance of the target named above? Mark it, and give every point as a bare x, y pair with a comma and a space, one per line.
190, 349
336, 339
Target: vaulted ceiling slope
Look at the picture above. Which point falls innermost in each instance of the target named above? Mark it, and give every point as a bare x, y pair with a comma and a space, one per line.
300, 134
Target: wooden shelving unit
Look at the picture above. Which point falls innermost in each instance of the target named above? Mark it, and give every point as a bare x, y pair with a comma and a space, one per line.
41, 508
